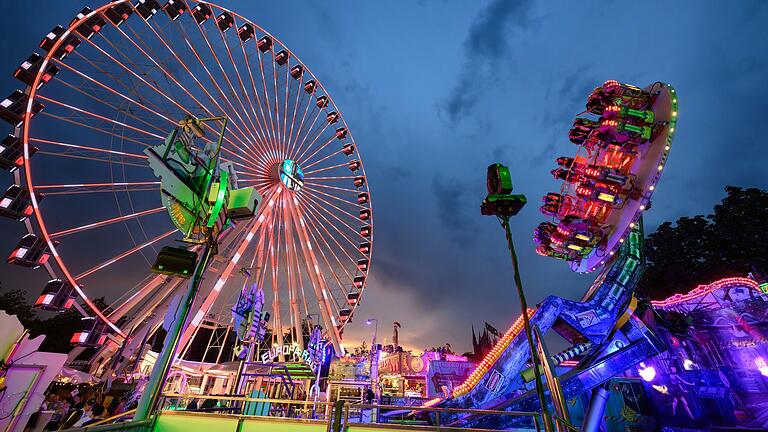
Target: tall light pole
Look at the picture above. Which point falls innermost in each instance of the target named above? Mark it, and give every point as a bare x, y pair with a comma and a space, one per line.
374, 358
375, 322
502, 204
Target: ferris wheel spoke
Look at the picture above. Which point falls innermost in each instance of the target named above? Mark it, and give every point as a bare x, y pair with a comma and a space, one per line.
323, 159
97, 116
287, 93
145, 70
192, 75
252, 228
293, 277
112, 90
71, 189
90, 158
117, 258
317, 216
328, 168
275, 93
266, 95
271, 141
341, 200
325, 186
86, 148
292, 142
333, 215
311, 195
259, 131
215, 83
225, 75
147, 84
99, 224
314, 223
116, 109
301, 143
333, 178
276, 306
318, 284
318, 149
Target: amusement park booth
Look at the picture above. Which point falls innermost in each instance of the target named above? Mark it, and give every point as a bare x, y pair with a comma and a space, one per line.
404, 375
349, 379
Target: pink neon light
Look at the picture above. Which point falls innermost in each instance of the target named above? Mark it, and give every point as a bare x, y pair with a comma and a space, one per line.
703, 290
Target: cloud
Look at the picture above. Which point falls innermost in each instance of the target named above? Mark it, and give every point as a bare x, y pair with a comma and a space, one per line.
451, 196
486, 46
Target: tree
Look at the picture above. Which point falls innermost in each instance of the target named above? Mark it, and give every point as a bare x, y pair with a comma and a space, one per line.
362, 350
701, 249
58, 328
15, 302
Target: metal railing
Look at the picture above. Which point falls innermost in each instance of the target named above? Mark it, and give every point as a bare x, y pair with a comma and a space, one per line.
339, 416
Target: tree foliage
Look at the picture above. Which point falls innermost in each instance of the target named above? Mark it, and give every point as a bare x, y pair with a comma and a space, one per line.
701, 249
58, 328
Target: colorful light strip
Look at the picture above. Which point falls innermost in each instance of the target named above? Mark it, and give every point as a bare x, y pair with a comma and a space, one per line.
703, 290
492, 357
487, 362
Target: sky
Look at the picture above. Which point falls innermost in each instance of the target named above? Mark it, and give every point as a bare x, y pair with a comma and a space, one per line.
434, 91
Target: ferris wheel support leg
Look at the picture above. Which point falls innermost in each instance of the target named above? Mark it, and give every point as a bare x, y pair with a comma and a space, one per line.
154, 388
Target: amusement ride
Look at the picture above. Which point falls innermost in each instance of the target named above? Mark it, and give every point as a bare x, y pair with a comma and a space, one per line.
174, 136
596, 224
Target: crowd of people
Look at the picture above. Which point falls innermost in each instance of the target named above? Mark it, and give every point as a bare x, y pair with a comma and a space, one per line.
79, 409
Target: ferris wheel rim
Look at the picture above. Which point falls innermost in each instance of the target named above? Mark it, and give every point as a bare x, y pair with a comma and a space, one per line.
29, 177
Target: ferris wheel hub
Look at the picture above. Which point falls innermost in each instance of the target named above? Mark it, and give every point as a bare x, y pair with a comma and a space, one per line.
290, 174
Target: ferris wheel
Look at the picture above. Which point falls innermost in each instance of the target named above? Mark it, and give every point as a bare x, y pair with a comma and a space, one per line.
116, 81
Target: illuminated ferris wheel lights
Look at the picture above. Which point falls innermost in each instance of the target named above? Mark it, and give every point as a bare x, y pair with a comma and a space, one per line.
348, 149
264, 44
147, 8
90, 26
365, 231
16, 203
174, 9
281, 57
28, 70
225, 21
353, 165
246, 32
118, 13
202, 13
297, 71
13, 107
12, 152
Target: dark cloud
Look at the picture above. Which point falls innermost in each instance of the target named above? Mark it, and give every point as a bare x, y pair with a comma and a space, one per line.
566, 98
486, 47
451, 197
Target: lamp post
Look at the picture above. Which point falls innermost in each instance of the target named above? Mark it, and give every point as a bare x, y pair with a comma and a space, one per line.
374, 358
502, 204
375, 322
